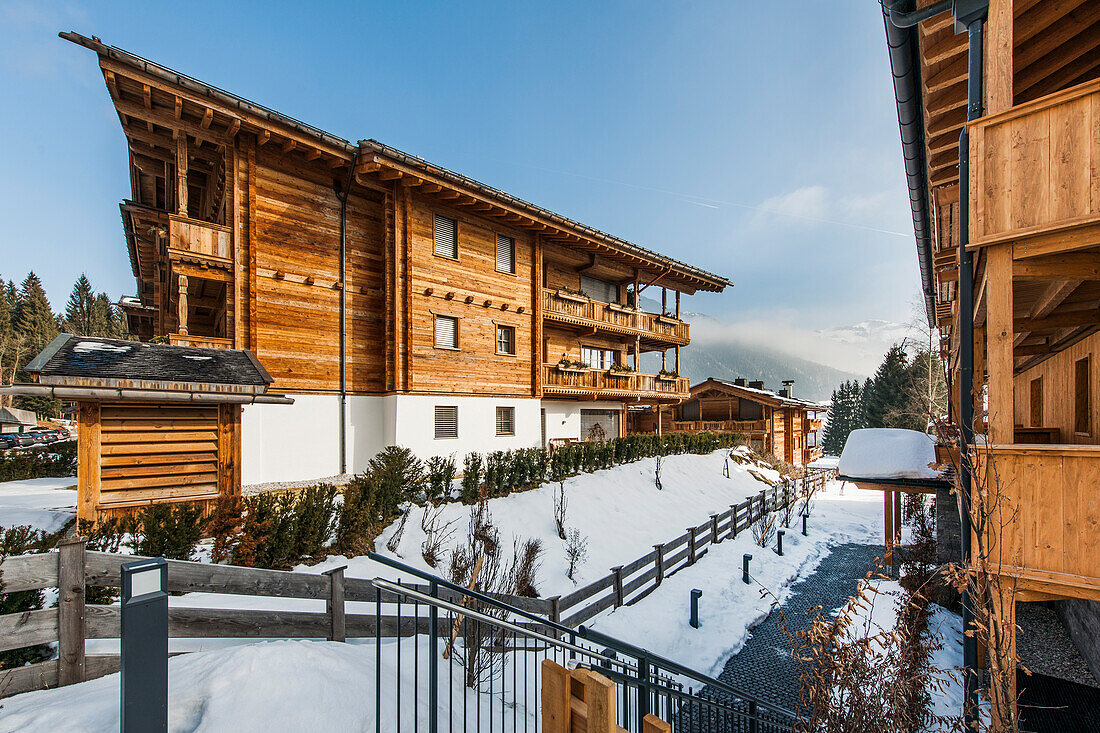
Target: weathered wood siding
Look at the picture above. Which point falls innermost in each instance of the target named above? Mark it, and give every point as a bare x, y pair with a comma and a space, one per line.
1058, 386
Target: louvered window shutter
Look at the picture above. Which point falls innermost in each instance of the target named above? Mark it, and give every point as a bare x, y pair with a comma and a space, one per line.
506, 421
446, 237
446, 332
446, 421
506, 254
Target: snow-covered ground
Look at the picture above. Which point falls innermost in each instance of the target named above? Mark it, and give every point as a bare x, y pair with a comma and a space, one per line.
47, 504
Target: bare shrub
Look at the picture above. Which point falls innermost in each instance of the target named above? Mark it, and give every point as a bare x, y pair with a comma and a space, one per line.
528, 562
657, 473
436, 533
395, 540
560, 505
576, 552
763, 530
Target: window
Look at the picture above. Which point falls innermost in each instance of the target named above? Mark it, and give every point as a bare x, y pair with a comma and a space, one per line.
600, 290
446, 421
1082, 383
446, 332
506, 421
506, 340
506, 254
1036, 402
446, 237
599, 425
599, 358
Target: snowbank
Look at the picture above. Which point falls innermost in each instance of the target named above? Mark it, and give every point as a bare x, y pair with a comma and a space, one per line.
884, 453
47, 504
825, 462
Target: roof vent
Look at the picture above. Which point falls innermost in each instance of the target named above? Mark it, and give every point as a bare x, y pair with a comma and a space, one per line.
758, 384
739, 382
788, 384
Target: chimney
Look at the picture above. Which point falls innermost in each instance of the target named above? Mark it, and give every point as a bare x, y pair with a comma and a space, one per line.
758, 384
784, 392
788, 390
739, 382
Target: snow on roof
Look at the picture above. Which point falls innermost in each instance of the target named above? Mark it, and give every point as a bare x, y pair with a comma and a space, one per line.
825, 462
771, 394
885, 453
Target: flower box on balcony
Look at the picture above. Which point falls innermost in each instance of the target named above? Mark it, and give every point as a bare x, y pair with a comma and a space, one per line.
667, 377
570, 369
669, 320
621, 308
577, 297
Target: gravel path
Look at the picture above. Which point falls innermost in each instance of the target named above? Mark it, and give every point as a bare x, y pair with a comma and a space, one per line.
1044, 645
253, 489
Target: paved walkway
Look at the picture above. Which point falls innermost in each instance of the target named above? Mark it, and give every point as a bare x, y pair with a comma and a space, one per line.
764, 666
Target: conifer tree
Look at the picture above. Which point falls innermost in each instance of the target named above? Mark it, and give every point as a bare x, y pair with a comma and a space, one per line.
886, 407
79, 310
864, 397
34, 318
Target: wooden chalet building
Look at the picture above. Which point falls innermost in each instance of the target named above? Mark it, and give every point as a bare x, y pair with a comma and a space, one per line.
400, 302
773, 422
1008, 239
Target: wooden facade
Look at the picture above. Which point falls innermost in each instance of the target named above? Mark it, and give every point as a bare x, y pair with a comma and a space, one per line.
772, 422
1033, 195
248, 229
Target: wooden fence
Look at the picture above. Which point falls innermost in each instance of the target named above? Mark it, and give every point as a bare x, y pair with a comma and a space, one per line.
72, 568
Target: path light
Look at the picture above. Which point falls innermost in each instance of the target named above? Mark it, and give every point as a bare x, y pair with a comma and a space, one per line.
745, 568
805, 515
144, 646
779, 543
695, 595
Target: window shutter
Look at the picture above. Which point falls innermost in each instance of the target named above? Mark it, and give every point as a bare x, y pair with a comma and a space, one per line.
446, 332
446, 421
446, 237
506, 254
506, 421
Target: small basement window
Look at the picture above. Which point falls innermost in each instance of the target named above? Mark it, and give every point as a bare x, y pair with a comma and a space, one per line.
446, 421
446, 332
1082, 392
446, 237
506, 340
506, 254
506, 421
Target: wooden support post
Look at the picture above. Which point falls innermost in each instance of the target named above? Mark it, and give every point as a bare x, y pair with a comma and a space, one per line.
637, 353
664, 300
897, 517
999, 336
555, 609
652, 724
659, 561
733, 521
888, 517
691, 545
714, 529
677, 350
664, 360
70, 610
334, 605
88, 462
660, 428
556, 709
617, 571
181, 173
677, 310
182, 305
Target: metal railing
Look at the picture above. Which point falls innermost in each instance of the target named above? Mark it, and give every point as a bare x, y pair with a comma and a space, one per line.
483, 663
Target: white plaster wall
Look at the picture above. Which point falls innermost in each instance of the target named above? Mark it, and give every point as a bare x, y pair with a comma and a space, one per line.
296, 442
415, 425
370, 429
563, 417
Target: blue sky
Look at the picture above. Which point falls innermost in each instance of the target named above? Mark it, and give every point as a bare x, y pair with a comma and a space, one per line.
759, 144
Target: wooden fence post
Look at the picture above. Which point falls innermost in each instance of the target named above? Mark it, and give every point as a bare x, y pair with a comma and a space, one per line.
660, 562
714, 529
617, 571
652, 724
733, 521
71, 619
334, 606
555, 609
555, 698
691, 545
599, 696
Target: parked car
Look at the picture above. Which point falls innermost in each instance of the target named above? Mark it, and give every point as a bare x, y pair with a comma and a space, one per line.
64, 433
43, 435
17, 440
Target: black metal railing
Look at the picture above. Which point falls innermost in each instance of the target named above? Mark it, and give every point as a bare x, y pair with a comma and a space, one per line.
463, 660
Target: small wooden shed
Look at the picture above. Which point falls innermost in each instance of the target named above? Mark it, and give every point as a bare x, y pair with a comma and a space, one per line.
156, 423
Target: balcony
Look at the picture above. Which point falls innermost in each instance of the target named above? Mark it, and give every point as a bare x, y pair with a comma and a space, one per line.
750, 428
597, 383
580, 311
1031, 182
191, 237
1049, 513
205, 342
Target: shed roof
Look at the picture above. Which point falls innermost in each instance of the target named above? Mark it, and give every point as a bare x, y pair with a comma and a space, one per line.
766, 396
11, 415
73, 359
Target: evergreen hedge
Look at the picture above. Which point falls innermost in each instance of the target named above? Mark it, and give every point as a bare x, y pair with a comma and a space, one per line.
55, 461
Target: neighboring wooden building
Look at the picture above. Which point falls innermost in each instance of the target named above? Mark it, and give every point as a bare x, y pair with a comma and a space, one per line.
773, 422
156, 423
401, 302
1013, 277
13, 420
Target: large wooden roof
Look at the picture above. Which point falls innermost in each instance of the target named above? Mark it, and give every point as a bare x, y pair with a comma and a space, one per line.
154, 101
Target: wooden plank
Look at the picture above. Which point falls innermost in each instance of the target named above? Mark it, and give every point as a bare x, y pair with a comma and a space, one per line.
70, 605
599, 696
555, 697
28, 572
28, 628
160, 459
43, 675
999, 337
126, 449
89, 460
652, 724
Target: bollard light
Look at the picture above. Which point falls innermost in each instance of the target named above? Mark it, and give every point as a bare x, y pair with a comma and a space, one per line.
779, 542
804, 517
745, 568
144, 646
695, 595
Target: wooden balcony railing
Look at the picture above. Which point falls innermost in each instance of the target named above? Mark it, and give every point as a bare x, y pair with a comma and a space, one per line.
1030, 178
748, 427
196, 237
585, 382
206, 342
579, 310
1048, 515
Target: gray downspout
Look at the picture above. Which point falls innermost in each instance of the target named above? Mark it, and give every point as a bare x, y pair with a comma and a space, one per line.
343, 195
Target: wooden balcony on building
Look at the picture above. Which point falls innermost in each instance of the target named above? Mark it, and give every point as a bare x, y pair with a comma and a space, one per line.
598, 384
580, 311
191, 237
206, 342
1035, 175
1050, 541
745, 427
